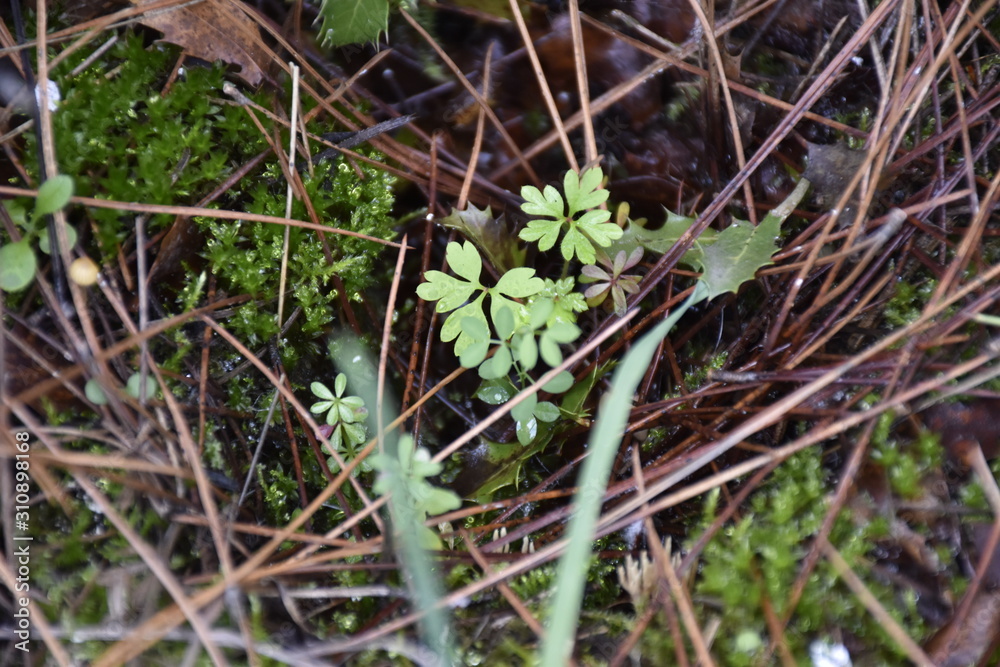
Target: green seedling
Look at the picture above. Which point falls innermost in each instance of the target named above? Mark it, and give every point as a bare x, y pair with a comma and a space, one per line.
18, 263
345, 415
583, 195
451, 292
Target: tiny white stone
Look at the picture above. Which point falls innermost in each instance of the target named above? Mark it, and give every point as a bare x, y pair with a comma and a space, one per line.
54, 95
829, 655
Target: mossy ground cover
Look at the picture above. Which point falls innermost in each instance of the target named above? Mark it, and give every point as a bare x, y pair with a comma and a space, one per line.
812, 412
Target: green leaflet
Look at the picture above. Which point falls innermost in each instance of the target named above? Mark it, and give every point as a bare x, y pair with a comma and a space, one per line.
353, 21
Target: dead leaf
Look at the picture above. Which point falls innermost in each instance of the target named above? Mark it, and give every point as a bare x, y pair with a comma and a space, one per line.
212, 30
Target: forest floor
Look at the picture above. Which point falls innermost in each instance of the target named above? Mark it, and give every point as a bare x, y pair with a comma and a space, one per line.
324, 355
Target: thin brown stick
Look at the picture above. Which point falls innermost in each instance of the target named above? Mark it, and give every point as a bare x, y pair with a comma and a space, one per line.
543, 85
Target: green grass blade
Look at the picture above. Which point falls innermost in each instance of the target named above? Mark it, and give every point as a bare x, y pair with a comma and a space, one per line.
605, 439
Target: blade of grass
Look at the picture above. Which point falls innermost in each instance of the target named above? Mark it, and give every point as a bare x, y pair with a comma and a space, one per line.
603, 445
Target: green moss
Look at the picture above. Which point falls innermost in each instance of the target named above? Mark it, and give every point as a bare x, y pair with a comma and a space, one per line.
908, 302
760, 555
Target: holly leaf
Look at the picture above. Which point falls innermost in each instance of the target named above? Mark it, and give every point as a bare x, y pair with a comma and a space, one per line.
660, 240
353, 21
741, 249
489, 234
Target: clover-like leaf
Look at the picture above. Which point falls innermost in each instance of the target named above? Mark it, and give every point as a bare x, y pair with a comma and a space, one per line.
526, 351
448, 291
503, 322
497, 391
560, 383
550, 203
525, 409
452, 327
546, 412
498, 365
526, 430
520, 283
559, 333
546, 232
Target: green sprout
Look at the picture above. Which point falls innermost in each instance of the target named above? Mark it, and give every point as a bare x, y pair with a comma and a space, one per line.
18, 264
612, 281
414, 498
345, 414
451, 292
583, 194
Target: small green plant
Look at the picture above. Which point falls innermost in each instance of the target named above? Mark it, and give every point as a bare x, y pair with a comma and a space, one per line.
612, 279
451, 293
95, 394
582, 233
18, 263
414, 497
353, 21
345, 415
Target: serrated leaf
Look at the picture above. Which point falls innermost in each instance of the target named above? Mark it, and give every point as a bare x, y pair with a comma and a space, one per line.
548, 203
663, 239
575, 243
741, 249
17, 266
583, 193
353, 21
490, 236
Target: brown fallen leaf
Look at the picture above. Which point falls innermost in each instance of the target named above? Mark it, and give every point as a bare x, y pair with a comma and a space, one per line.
212, 30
